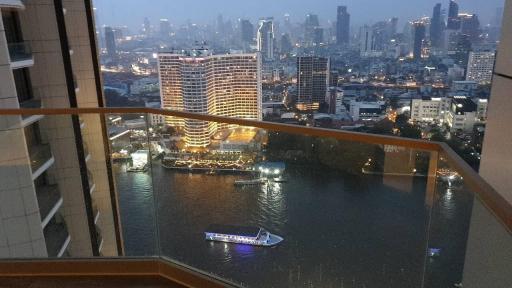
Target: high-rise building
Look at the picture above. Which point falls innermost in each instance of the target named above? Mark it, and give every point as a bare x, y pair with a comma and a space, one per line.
470, 25
222, 85
165, 28
286, 44
419, 38
480, 66
310, 25
266, 39
146, 27
56, 195
436, 27
110, 41
343, 26
318, 36
453, 22
367, 41
246, 31
312, 82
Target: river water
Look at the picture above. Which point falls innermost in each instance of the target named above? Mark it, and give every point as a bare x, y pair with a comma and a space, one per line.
340, 230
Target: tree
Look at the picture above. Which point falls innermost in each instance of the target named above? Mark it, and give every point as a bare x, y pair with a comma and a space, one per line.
401, 120
410, 131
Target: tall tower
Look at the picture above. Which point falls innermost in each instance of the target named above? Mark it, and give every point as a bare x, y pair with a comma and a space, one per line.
436, 27
110, 40
265, 39
222, 85
312, 82
419, 37
470, 25
246, 31
453, 22
310, 25
367, 41
165, 27
146, 27
343, 26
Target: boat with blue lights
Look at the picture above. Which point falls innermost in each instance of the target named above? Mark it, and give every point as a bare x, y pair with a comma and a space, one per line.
242, 235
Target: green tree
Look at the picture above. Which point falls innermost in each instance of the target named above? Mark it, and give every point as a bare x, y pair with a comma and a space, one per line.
410, 131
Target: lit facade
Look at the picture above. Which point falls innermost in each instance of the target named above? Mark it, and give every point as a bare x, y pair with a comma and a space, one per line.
480, 66
312, 82
222, 85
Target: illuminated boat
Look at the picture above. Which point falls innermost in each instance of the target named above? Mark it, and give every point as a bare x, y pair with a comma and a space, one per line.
242, 235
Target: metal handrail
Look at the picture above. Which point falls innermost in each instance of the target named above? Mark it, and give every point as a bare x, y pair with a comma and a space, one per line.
494, 201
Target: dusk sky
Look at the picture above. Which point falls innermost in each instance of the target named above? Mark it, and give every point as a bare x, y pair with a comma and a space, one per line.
132, 12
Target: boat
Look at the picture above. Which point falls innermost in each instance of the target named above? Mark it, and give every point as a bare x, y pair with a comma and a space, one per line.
255, 236
137, 168
211, 173
251, 182
280, 180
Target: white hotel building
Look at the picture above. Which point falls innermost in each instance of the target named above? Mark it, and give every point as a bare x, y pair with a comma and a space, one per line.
221, 85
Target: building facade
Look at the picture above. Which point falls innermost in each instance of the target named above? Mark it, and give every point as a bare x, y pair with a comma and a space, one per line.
222, 85
343, 26
312, 82
266, 39
49, 205
480, 66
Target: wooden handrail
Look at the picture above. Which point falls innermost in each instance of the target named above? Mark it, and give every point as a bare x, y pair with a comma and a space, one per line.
97, 267
494, 201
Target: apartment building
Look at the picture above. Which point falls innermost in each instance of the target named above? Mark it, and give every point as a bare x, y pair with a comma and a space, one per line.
56, 196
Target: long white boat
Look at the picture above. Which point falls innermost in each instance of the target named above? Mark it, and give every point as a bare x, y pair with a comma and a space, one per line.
242, 235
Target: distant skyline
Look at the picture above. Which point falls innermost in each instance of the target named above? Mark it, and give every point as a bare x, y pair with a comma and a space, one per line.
132, 12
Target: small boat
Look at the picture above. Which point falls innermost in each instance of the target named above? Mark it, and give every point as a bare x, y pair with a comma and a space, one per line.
434, 252
280, 180
211, 173
137, 168
242, 235
251, 182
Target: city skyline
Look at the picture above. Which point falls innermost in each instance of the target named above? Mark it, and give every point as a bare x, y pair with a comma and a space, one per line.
116, 12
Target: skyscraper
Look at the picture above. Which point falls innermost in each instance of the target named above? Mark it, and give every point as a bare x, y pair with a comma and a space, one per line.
453, 22
286, 44
110, 40
367, 43
310, 25
146, 27
436, 27
480, 66
470, 25
343, 26
419, 38
312, 82
246, 31
265, 39
222, 85
165, 27
56, 195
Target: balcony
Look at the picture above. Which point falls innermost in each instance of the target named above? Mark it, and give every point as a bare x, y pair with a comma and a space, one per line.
96, 213
50, 201
354, 209
21, 55
92, 185
41, 158
31, 104
57, 239
86, 152
99, 238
